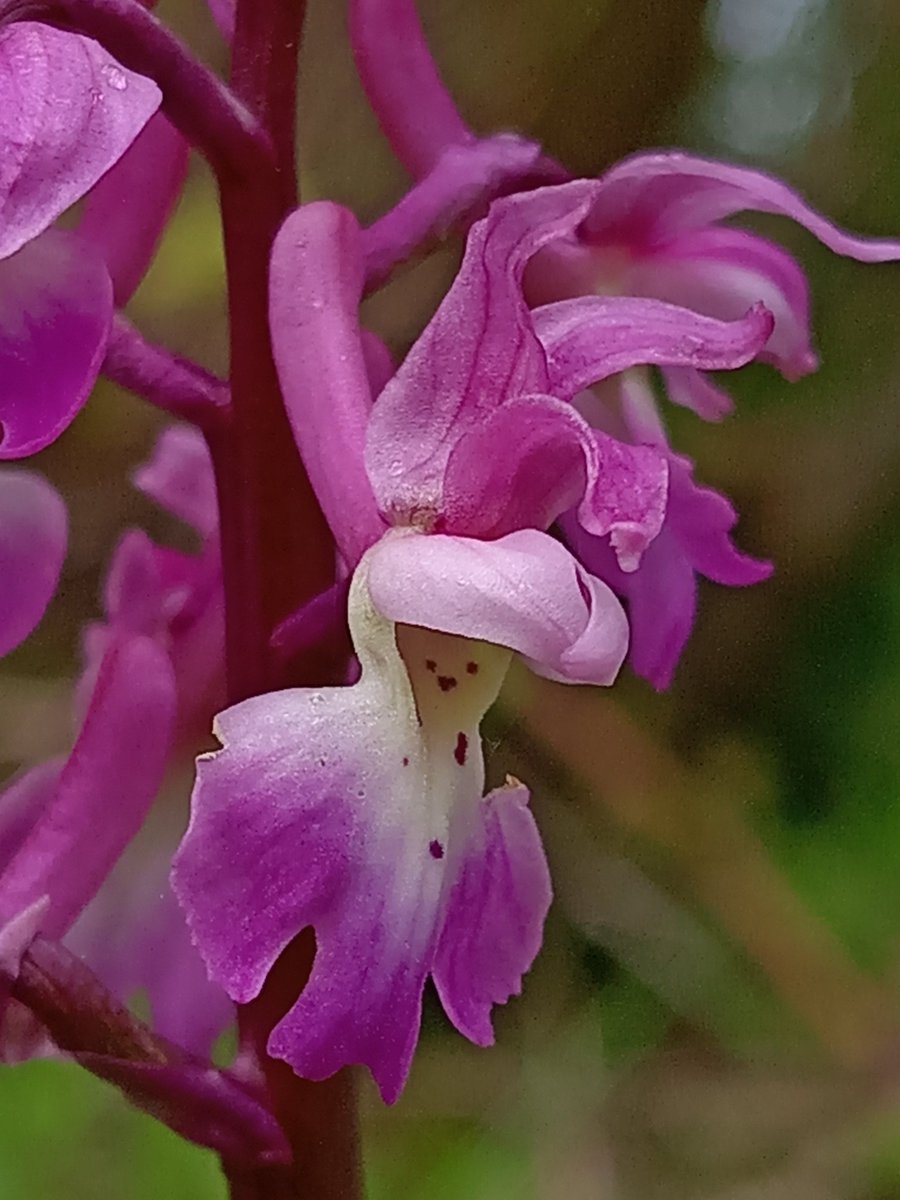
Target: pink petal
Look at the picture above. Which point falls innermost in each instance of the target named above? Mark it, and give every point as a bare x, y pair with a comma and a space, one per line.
478, 352
662, 593
68, 111
523, 591
179, 477
126, 213
654, 197
55, 313
21, 803
316, 286
702, 519
495, 915
551, 460
721, 272
104, 791
357, 810
589, 338
33, 536
415, 110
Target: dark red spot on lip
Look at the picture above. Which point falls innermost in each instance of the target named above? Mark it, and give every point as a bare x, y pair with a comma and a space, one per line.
472, 668
435, 849
447, 682
405, 761
461, 749
430, 665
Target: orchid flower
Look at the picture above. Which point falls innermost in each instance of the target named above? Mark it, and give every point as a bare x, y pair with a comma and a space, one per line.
360, 810
654, 229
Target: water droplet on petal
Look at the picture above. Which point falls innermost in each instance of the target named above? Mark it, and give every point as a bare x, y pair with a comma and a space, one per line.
114, 76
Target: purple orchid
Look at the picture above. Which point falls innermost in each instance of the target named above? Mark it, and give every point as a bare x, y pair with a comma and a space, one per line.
359, 810
654, 229
57, 296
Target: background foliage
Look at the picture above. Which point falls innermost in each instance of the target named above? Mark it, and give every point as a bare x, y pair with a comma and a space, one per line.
716, 1013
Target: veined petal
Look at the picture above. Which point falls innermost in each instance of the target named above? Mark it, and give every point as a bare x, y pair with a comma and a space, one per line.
722, 272
33, 536
179, 477
589, 338
316, 287
105, 789
550, 460
126, 213
68, 111
478, 352
651, 198
495, 914
55, 311
346, 809
523, 591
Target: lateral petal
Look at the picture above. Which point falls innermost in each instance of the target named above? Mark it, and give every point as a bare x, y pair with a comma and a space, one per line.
55, 311
33, 536
316, 283
68, 111
589, 338
654, 197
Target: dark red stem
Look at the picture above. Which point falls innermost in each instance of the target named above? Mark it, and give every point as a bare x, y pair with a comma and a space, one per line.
278, 553
277, 547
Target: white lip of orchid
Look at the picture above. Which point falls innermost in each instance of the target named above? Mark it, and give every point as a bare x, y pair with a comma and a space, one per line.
442, 685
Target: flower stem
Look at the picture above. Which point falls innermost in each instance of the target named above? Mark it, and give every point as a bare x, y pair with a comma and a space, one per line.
168, 382
277, 554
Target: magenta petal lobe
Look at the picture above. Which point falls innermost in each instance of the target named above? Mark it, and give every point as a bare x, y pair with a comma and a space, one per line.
55, 311
68, 111
495, 914
33, 535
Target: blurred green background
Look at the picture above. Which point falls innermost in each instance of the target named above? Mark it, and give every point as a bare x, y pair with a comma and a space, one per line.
716, 1012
